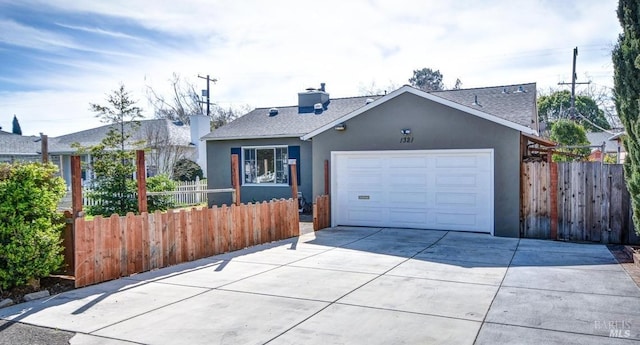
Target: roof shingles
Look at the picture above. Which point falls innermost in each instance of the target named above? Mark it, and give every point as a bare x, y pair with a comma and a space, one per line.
289, 122
517, 107
178, 135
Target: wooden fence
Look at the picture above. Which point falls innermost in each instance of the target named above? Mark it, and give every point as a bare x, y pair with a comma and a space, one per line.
578, 201
321, 213
113, 247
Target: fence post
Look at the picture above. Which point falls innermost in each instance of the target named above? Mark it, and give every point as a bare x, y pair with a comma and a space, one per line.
294, 179
326, 177
553, 195
235, 178
141, 176
44, 147
76, 187
197, 194
68, 244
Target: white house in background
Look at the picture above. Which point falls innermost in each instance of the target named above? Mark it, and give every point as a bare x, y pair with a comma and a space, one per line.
164, 140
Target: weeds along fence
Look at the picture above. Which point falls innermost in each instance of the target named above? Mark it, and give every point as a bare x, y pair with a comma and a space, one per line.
186, 193
113, 247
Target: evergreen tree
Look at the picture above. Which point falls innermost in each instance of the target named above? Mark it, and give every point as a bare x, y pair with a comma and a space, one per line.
626, 61
114, 157
427, 79
16, 126
187, 170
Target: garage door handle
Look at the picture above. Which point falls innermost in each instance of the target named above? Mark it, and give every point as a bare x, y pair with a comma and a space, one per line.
363, 197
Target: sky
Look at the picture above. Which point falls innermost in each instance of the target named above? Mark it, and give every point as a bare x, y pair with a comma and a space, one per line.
58, 56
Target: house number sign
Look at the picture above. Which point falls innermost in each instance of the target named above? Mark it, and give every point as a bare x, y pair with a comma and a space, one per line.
406, 139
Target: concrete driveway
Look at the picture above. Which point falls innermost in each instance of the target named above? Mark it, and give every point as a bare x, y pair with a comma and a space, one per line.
362, 286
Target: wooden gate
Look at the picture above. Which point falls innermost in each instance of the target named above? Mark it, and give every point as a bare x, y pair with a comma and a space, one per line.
591, 202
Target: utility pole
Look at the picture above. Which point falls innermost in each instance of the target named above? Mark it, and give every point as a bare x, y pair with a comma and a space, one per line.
574, 77
208, 102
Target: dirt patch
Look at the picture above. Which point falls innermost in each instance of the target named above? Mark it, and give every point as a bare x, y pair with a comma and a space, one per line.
629, 259
55, 284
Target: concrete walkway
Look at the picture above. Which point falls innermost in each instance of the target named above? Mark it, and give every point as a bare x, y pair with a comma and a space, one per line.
362, 286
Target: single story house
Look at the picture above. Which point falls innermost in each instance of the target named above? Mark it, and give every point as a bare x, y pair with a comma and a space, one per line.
445, 160
164, 140
19, 148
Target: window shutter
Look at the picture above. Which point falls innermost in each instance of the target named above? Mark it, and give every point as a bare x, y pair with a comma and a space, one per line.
237, 151
294, 153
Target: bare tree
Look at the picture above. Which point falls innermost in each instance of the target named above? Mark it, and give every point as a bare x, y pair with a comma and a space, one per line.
164, 150
221, 116
603, 96
180, 104
184, 101
373, 89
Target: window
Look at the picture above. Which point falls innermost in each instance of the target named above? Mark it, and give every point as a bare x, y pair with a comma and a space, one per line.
265, 165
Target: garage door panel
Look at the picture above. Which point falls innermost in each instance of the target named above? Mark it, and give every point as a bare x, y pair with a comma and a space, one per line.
410, 180
359, 178
366, 216
407, 218
408, 197
455, 220
458, 161
439, 189
456, 199
456, 180
365, 163
409, 162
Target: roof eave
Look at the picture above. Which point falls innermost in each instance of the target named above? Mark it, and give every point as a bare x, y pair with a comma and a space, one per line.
425, 95
294, 135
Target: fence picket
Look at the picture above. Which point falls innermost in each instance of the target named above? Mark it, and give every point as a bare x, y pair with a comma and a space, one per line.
190, 194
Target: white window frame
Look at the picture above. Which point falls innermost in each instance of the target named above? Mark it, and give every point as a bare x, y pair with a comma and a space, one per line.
242, 168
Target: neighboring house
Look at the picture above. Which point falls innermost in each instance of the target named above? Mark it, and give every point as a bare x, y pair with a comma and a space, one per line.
18, 148
442, 160
165, 142
612, 145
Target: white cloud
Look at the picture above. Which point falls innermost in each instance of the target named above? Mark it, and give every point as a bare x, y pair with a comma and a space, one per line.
263, 53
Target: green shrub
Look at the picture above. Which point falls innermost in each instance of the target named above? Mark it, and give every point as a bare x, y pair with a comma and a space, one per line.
160, 183
29, 225
113, 195
569, 133
187, 170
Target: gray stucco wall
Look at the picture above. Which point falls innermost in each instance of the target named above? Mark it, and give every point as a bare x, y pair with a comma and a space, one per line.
219, 171
433, 126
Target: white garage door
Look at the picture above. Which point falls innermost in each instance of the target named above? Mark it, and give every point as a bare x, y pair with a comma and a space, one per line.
435, 189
